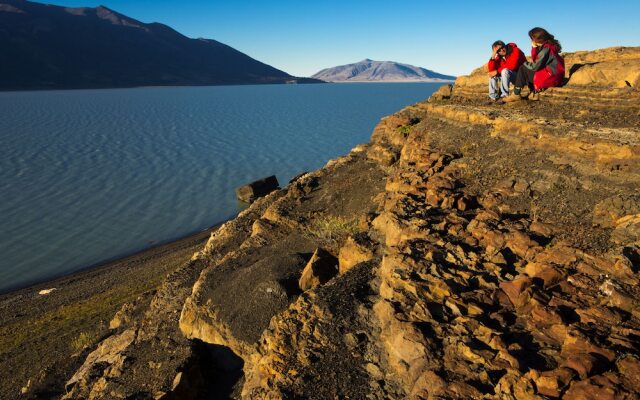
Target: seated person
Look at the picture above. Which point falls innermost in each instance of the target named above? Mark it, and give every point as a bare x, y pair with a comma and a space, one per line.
502, 67
545, 70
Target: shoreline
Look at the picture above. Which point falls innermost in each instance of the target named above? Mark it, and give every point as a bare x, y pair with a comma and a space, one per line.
444, 82
109, 263
312, 81
53, 331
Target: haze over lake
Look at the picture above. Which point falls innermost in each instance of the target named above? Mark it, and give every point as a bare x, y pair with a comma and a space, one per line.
91, 175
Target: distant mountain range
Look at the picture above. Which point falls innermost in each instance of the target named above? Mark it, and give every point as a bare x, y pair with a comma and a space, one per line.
380, 71
51, 47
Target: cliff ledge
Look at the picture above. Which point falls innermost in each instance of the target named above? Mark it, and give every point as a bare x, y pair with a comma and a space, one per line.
467, 251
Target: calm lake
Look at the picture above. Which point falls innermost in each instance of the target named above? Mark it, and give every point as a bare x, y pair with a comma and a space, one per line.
91, 175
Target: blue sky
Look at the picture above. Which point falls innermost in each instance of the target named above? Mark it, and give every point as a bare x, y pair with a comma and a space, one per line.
451, 37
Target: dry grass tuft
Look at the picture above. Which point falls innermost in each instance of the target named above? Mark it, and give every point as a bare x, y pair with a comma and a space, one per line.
83, 341
332, 230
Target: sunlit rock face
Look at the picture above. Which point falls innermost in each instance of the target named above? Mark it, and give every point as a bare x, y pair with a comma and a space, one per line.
482, 251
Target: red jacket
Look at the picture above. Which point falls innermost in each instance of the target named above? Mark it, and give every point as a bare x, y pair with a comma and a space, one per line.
548, 65
513, 60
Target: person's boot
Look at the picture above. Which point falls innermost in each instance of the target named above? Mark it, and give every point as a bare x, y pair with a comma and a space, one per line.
494, 101
535, 96
512, 97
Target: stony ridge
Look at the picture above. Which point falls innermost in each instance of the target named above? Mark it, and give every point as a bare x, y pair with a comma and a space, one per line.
482, 252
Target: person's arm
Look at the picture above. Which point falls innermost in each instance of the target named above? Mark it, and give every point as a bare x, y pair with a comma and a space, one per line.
513, 59
492, 67
541, 61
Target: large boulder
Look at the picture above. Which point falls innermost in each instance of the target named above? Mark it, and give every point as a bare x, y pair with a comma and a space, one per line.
613, 66
262, 187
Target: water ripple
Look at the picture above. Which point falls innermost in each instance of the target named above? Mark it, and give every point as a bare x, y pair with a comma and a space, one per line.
89, 175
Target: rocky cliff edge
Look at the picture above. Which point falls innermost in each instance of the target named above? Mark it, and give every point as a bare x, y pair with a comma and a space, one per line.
468, 251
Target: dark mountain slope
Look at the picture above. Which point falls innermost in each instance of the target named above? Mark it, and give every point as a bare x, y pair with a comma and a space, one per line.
46, 46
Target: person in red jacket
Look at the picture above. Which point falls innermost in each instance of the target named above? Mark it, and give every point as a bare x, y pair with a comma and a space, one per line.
503, 66
545, 70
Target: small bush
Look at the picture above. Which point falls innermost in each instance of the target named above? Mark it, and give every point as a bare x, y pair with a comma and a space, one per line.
405, 130
83, 340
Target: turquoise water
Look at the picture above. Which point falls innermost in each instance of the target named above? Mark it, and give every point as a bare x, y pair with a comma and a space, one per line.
90, 175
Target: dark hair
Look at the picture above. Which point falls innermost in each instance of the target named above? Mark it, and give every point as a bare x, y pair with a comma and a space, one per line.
497, 43
540, 35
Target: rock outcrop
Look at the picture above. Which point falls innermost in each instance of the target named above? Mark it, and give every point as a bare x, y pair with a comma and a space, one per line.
474, 250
